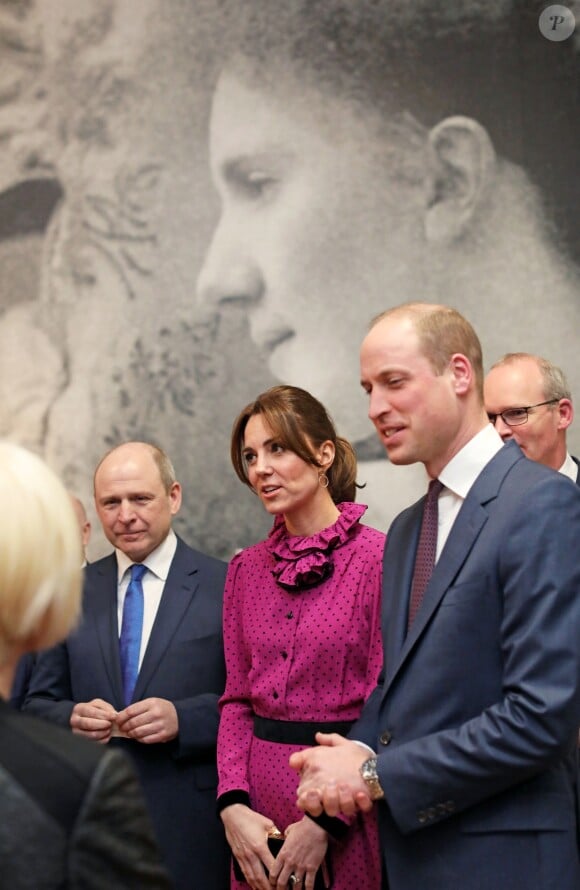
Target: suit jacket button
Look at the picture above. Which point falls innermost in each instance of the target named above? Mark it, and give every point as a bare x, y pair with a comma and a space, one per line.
385, 737
422, 816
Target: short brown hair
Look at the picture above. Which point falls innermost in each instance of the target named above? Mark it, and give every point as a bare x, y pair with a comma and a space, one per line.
301, 423
442, 332
554, 382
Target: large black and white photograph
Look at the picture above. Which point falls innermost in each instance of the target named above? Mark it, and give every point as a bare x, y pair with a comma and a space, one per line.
202, 198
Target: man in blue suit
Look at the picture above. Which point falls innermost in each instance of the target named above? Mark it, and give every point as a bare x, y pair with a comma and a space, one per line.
168, 723
527, 398
474, 721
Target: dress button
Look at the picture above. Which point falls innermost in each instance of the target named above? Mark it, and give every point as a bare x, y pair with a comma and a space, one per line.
385, 737
275, 695
290, 615
284, 655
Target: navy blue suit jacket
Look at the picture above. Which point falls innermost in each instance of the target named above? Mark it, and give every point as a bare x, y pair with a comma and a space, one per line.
184, 663
21, 681
477, 715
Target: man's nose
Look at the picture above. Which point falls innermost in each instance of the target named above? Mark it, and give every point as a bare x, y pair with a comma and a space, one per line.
126, 511
229, 274
378, 405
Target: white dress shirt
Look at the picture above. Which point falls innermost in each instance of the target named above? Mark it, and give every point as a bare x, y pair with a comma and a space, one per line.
459, 475
158, 564
569, 468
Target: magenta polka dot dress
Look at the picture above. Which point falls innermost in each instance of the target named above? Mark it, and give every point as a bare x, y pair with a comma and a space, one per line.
302, 634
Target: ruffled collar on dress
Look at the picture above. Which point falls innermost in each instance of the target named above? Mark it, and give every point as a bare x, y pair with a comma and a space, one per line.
303, 562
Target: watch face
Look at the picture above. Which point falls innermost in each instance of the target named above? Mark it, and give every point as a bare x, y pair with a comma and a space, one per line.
369, 768
368, 771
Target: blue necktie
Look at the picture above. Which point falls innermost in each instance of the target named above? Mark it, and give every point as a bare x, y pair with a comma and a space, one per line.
131, 629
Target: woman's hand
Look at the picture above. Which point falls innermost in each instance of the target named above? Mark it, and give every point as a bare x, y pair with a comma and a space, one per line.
247, 835
301, 855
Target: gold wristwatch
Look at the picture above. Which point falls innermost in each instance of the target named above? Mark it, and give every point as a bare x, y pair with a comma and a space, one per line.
368, 771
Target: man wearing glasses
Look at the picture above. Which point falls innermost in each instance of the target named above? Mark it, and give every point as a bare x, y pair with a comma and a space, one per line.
520, 379
527, 398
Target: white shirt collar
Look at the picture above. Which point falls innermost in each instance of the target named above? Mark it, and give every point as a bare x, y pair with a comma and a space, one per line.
569, 468
159, 560
464, 468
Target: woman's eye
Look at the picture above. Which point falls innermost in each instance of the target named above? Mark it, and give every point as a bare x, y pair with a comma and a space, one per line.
256, 184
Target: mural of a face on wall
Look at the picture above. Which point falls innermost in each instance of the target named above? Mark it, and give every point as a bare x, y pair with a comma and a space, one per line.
361, 155
354, 177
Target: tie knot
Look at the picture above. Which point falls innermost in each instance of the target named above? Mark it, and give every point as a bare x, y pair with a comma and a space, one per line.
137, 571
434, 490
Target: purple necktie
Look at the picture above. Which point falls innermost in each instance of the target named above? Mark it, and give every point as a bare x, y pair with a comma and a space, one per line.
426, 549
131, 629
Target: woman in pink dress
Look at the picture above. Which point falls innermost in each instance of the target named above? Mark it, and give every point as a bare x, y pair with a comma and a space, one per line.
302, 630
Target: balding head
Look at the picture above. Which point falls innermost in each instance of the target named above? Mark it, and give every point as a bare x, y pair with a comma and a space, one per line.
521, 380
135, 498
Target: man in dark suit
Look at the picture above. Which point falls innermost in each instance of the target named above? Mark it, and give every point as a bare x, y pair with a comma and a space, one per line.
527, 398
168, 722
475, 718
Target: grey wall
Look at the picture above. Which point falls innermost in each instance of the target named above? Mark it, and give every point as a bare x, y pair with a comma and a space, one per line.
106, 211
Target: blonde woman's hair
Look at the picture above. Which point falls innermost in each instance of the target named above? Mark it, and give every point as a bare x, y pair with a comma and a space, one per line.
40, 554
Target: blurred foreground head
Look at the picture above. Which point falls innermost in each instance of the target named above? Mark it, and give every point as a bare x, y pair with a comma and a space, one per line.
40, 555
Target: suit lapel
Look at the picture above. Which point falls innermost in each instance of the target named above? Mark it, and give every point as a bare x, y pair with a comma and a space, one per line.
398, 563
101, 607
180, 588
466, 529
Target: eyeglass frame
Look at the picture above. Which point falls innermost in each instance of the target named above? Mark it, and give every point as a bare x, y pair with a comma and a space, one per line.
527, 408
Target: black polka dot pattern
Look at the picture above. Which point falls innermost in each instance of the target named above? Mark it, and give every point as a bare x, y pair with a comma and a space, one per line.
306, 655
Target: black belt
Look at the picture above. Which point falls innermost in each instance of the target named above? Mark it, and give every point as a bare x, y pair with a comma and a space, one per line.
290, 732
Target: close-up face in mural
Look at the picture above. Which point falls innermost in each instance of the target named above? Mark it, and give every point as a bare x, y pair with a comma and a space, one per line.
314, 230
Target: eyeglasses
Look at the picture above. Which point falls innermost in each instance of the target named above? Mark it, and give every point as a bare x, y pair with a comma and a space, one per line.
517, 416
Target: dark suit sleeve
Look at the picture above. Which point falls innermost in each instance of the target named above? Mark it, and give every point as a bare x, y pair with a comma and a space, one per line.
365, 728
527, 561
49, 693
21, 680
198, 724
112, 843
198, 715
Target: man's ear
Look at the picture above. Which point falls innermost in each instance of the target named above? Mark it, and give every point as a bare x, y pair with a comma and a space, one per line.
463, 163
566, 412
462, 373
